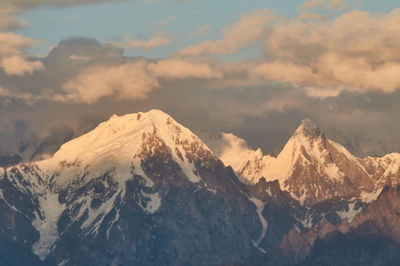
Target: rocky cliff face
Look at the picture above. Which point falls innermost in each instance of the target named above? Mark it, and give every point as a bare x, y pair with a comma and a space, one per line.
370, 238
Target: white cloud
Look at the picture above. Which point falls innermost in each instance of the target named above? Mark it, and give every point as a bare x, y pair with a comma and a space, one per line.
158, 39
330, 4
17, 65
201, 30
285, 71
356, 51
239, 35
131, 80
339, 4
79, 57
318, 93
311, 4
12, 44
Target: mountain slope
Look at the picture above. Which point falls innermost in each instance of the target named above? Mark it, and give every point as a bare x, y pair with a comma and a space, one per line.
311, 167
138, 189
141, 189
371, 238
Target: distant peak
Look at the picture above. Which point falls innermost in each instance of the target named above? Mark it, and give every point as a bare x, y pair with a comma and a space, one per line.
309, 129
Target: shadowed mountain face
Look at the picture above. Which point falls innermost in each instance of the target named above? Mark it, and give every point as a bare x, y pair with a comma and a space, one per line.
371, 238
141, 189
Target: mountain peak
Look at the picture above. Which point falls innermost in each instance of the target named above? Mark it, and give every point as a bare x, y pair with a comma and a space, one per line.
309, 129
153, 114
124, 139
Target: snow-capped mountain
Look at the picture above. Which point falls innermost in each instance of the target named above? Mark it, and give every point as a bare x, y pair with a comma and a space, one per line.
318, 197
310, 167
124, 191
141, 189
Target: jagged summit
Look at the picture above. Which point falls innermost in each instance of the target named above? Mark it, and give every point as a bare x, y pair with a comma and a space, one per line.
311, 167
309, 129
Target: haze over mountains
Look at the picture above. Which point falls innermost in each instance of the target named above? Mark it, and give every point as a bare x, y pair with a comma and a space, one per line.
141, 189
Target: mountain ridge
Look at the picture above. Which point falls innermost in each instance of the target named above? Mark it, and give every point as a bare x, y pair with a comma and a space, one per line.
129, 176
308, 154
142, 189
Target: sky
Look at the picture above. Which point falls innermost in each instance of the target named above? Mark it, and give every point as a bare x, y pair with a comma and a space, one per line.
253, 68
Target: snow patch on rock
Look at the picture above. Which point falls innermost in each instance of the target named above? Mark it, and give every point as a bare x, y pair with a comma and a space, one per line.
370, 197
350, 212
260, 207
47, 226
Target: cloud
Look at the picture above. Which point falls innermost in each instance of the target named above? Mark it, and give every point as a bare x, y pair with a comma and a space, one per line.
178, 69
331, 4
356, 51
339, 4
321, 93
312, 16
79, 57
201, 30
311, 4
13, 44
237, 36
10, 8
129, 81
158, 39
12, 57
285, 71
324, 70
17, 65
66, 61
10, 23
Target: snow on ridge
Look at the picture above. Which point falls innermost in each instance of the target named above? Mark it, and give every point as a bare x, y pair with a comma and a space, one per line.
350, 212
308, 128
280, 168
153, 203
307, 147
264, 223
307, 221
47, 227
117, 141
370, 197
235, 152
110, 148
